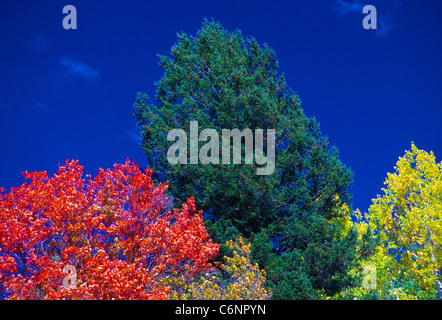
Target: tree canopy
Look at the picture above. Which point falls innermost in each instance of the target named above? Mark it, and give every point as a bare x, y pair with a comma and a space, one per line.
224, 81
405, 227
116, 231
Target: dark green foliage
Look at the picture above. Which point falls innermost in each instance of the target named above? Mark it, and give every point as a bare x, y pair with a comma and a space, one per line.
223, 81
368, 244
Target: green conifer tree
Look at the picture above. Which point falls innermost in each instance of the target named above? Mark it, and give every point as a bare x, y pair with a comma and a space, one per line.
224, 81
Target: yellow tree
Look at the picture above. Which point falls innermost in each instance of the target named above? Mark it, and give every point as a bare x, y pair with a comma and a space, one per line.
406, 222
239, 280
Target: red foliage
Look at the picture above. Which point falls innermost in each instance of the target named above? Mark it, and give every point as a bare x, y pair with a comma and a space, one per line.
115, 230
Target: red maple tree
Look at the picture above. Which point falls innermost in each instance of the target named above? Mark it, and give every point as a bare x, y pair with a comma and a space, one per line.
116, 230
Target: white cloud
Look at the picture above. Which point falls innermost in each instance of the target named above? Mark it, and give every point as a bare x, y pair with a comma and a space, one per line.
385, 11
133, 135
344, 7
384, 27
79, 69
37, 43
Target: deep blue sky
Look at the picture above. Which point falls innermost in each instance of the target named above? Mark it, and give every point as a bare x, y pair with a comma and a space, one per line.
70, 93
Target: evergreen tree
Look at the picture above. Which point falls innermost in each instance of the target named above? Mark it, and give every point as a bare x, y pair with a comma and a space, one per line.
290, 216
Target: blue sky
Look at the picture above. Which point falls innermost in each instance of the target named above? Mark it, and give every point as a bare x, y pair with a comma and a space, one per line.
69, 94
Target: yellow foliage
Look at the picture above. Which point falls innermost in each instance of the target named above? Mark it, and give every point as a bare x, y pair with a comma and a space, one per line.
238, 279
406, 221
